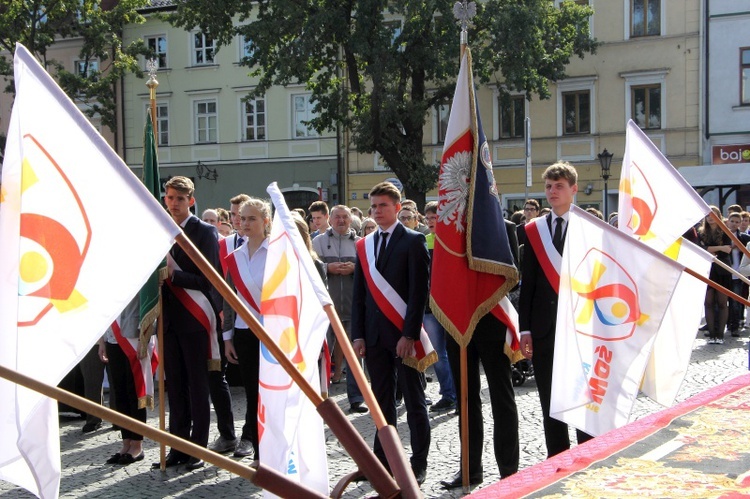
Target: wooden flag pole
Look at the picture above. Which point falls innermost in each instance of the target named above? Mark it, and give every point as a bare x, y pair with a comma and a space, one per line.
352, 441
152, 84
261, 475
729, 233
464, 11
718, 287
389, 439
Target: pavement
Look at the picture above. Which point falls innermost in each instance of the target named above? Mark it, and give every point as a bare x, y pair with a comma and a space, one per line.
86, 476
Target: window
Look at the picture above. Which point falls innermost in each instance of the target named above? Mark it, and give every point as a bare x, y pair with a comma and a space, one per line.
395, 29
645, 101
254, 119
302, 110
512, 114
745, 75
203, 49
158, 45
206, 117
645, 17
247, 48
443, 113
87, 69
576, 112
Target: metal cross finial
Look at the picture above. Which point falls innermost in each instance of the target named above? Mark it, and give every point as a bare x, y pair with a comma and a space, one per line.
464, 11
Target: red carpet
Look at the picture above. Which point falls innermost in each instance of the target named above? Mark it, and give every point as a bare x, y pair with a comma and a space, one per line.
697, 449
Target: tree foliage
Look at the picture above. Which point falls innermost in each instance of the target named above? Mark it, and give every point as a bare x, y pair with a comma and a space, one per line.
378, 67
38, 24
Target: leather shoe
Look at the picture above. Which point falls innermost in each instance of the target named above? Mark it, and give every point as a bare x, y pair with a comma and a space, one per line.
91, 427
223, 445
172, 460
128, 458
194, 463
114, 459
357, 407
475, 478
244, 448
420, 474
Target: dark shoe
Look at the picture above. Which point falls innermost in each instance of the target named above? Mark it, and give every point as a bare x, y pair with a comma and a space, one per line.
172, 460
194, 463
474, 479
114, 459
129, 459
244, 448
735, 333
91, 427
223, 445
420, 474
443, 405
704, 327
357, 407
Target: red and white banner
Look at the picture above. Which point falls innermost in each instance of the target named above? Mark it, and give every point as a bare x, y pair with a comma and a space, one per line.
292, 439
65, 273
614, 292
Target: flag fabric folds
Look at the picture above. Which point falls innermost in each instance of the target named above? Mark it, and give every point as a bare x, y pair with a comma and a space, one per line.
80, 237
473, 266
614, 292
292, 440
657, 206
149, 294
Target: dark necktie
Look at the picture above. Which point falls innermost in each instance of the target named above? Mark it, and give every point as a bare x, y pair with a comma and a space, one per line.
381, 252
557, 239
239, 242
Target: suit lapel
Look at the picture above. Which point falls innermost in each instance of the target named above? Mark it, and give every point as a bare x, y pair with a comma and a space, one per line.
398, 233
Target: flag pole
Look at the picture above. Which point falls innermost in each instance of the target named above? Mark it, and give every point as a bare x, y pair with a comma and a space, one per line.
718, 287
351, 440
729, 233
152, 84
387, 434
464, 11
262, 476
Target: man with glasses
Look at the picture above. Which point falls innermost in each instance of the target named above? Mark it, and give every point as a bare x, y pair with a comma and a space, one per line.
530, 210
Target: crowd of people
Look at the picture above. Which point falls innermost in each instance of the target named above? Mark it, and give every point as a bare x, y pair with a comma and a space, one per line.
390, 270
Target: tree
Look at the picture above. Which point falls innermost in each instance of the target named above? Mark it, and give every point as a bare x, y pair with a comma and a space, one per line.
103, 60
378, 67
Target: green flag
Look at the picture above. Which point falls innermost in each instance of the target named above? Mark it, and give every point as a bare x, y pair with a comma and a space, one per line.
149, 294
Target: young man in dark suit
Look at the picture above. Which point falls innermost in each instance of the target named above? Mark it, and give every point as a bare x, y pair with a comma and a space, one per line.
539, 292
400, 256
190, 348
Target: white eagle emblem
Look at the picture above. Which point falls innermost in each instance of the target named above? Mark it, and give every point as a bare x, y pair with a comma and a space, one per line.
455, 181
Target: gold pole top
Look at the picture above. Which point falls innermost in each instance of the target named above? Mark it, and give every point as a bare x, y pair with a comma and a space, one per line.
152, 82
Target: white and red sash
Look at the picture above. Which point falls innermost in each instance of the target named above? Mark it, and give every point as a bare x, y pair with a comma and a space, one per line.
143, 369
506, 313
538, 235
239, 269
392, 305
199, 307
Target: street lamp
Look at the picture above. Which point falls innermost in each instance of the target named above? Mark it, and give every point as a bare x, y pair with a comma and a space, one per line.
605, 159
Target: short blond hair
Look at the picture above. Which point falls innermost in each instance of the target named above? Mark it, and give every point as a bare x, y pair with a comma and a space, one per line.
181, 184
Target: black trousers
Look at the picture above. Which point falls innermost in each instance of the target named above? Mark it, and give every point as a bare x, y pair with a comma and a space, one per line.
221, 397
92, 369
247, 346
186, 369
121, 382
555, 432
387, 370
486, 346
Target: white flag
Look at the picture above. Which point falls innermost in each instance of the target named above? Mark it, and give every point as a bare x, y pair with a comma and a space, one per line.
80, 237
614, 292
673, 347
291, 433
657, 205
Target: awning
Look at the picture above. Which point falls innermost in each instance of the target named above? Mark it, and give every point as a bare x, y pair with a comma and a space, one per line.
717, 175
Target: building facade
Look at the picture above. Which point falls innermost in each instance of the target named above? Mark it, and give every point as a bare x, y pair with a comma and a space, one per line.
209, 131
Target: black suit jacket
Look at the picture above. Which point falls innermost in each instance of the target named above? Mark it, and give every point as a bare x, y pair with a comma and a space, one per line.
204, 238
406, 268
538, 300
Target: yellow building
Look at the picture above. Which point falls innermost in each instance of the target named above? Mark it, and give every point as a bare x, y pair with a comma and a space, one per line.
647, 68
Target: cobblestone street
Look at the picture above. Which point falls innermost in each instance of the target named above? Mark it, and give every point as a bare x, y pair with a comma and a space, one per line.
85, 475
